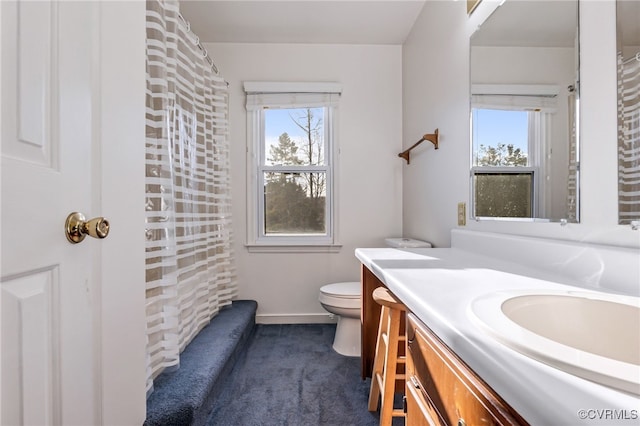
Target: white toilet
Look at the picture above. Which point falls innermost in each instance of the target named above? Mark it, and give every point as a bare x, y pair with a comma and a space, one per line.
345, 300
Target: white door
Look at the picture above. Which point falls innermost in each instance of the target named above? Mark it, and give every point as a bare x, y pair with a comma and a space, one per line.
61, 350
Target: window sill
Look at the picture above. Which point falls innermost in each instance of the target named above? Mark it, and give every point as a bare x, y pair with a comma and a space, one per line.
293, 248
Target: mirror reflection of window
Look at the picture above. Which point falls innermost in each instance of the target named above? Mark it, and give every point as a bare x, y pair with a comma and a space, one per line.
523, 59
512, 141
504, 184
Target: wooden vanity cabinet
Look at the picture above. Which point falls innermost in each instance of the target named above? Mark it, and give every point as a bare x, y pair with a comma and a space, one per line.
442, 390
369, 322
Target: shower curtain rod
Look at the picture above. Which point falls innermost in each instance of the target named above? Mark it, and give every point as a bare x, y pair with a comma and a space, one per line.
636, 57
204, 51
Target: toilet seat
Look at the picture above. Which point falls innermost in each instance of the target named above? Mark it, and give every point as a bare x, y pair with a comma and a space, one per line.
342, 295
347, 290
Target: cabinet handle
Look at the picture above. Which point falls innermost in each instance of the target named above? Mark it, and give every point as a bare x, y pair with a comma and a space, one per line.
415, 382
461, 422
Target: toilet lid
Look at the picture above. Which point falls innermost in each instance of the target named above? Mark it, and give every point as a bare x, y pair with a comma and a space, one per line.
347, 290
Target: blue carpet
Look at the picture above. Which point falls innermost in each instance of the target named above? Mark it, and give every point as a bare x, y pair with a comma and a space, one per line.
184, 397
290, 375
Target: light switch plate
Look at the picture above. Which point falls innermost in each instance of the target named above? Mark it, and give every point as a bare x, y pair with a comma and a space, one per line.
462, 214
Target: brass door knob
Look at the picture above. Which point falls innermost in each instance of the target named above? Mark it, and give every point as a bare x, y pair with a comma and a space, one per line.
77, 228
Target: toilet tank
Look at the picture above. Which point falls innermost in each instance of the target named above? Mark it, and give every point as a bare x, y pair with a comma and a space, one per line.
406, 243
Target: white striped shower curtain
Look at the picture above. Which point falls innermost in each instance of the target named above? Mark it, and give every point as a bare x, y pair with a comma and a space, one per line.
572, 176
189, 259
628, 139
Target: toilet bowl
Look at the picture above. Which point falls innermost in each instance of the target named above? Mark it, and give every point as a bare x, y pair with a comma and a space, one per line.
345, 300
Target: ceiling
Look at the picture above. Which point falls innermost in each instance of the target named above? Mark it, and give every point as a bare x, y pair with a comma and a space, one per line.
549, 23
379, 21
302, 21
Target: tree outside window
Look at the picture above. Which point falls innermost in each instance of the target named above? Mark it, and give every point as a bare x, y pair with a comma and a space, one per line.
294, 176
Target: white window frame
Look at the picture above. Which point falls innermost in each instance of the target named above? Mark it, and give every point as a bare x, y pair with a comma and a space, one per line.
272, 95
541, 103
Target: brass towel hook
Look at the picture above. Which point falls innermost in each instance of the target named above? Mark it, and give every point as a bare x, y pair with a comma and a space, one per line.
431, 137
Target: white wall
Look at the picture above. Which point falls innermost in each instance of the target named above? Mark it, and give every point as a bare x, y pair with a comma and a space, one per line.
435, 90
435, 74
286, 285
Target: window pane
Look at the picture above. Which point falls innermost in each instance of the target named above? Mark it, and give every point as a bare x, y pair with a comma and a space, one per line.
295, 203
503, 194
294, 137
500, 137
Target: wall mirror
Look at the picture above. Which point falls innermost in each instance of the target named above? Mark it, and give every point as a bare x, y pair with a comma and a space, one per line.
524, 74
628, 26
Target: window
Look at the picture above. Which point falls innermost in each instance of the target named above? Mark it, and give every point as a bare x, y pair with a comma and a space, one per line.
509, 148
291, 164
503, 181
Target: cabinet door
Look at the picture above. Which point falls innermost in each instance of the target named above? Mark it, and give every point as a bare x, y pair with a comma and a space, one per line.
454, 391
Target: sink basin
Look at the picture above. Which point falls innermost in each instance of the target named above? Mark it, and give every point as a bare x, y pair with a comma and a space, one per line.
592, 335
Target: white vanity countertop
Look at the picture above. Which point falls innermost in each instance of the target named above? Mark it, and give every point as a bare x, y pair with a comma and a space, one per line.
438, 286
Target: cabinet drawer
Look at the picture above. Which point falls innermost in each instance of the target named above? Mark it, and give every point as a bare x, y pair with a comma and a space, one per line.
419, 410
449, 387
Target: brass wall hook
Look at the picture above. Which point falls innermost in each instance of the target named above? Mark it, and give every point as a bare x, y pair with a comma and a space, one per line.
431, 137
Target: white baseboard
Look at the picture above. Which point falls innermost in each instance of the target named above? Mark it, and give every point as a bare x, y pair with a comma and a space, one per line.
295, 318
